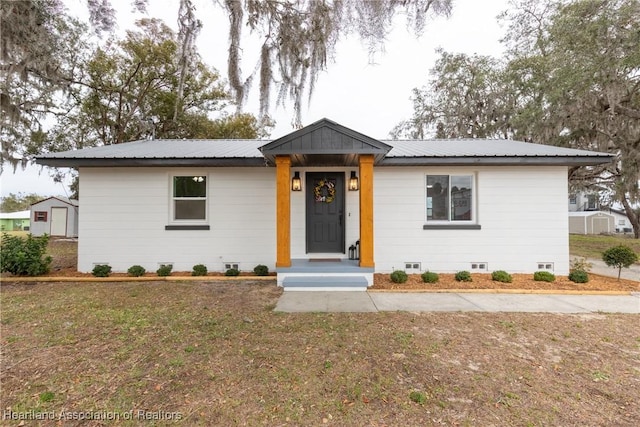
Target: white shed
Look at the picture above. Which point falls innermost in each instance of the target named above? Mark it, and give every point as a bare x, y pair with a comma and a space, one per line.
55, 216
591, 222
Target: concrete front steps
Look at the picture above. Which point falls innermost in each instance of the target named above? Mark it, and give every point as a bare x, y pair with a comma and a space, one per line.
325, 275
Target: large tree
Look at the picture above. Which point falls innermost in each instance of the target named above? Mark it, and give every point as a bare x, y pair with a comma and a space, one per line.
41, 51
571, 78
296, 40
18, 202
467, 97
582, 72
131, 92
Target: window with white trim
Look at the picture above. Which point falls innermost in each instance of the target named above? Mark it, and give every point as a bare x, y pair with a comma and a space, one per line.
450, 198
189, 198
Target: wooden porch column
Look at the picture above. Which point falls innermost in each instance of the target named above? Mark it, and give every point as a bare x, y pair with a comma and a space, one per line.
283, 211
366, 211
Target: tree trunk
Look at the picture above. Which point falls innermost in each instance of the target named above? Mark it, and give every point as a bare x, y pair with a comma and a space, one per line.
633, 217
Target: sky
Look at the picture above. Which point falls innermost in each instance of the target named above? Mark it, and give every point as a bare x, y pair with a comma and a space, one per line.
369, 95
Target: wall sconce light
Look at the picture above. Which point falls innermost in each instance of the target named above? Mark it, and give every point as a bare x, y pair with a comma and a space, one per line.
353, 182
296, 182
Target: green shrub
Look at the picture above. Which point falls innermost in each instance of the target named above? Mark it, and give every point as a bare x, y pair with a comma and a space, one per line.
136, 271
101, 270
543, 276
199, 270
232, 272
399, 276
261, 270
620, 257
47, 396
164, 270
430, 277
580, 264
418, 397
501, 276
579, 276
24, 257
463, 276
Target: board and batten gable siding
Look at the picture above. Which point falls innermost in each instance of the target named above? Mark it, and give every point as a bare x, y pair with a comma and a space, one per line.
521, 211
125, 211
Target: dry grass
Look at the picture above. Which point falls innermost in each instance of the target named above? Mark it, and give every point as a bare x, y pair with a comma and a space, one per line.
217, 354
592, 246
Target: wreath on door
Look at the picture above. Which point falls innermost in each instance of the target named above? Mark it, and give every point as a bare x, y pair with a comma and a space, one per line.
325, 191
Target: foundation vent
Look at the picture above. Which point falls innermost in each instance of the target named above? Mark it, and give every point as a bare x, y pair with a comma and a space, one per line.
545, 266
479, 266
412, 267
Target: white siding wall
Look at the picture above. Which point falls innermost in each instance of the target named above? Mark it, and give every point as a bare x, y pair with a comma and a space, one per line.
125, 211
39, 228
522, 212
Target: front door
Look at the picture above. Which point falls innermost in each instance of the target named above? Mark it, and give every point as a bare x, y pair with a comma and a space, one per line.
325, 212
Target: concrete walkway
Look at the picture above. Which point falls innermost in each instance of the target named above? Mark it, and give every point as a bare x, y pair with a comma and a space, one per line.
358, 302
355, 302
599, 267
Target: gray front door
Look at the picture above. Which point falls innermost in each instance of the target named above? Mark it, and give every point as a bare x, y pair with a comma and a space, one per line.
325, 212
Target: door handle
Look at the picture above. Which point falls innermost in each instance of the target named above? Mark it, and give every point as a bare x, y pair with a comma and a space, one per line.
340, 218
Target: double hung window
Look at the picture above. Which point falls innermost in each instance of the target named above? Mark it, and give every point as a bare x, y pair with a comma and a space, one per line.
189, 198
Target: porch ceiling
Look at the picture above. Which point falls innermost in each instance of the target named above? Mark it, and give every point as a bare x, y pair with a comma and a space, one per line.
349, 159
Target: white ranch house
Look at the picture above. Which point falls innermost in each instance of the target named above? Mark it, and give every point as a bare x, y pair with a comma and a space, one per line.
300, 204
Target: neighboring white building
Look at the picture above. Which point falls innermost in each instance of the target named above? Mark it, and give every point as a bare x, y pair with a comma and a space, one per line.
55, 216
622, 223
587, 216
581, 201
312, 195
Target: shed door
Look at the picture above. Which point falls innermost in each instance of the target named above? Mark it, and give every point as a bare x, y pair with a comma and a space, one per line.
325, 212
58, 221
600, 225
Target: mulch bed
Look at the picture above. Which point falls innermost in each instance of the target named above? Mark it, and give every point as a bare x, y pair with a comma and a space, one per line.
520, 281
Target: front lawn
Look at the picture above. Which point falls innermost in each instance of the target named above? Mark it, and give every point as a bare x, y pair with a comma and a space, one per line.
214, 353
592, 246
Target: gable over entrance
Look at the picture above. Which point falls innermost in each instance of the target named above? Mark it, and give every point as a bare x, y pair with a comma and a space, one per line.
325, 143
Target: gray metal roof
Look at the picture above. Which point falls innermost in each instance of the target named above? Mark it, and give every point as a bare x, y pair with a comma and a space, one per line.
15, 215
234, 152
163, 152
476, 147
486, 152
